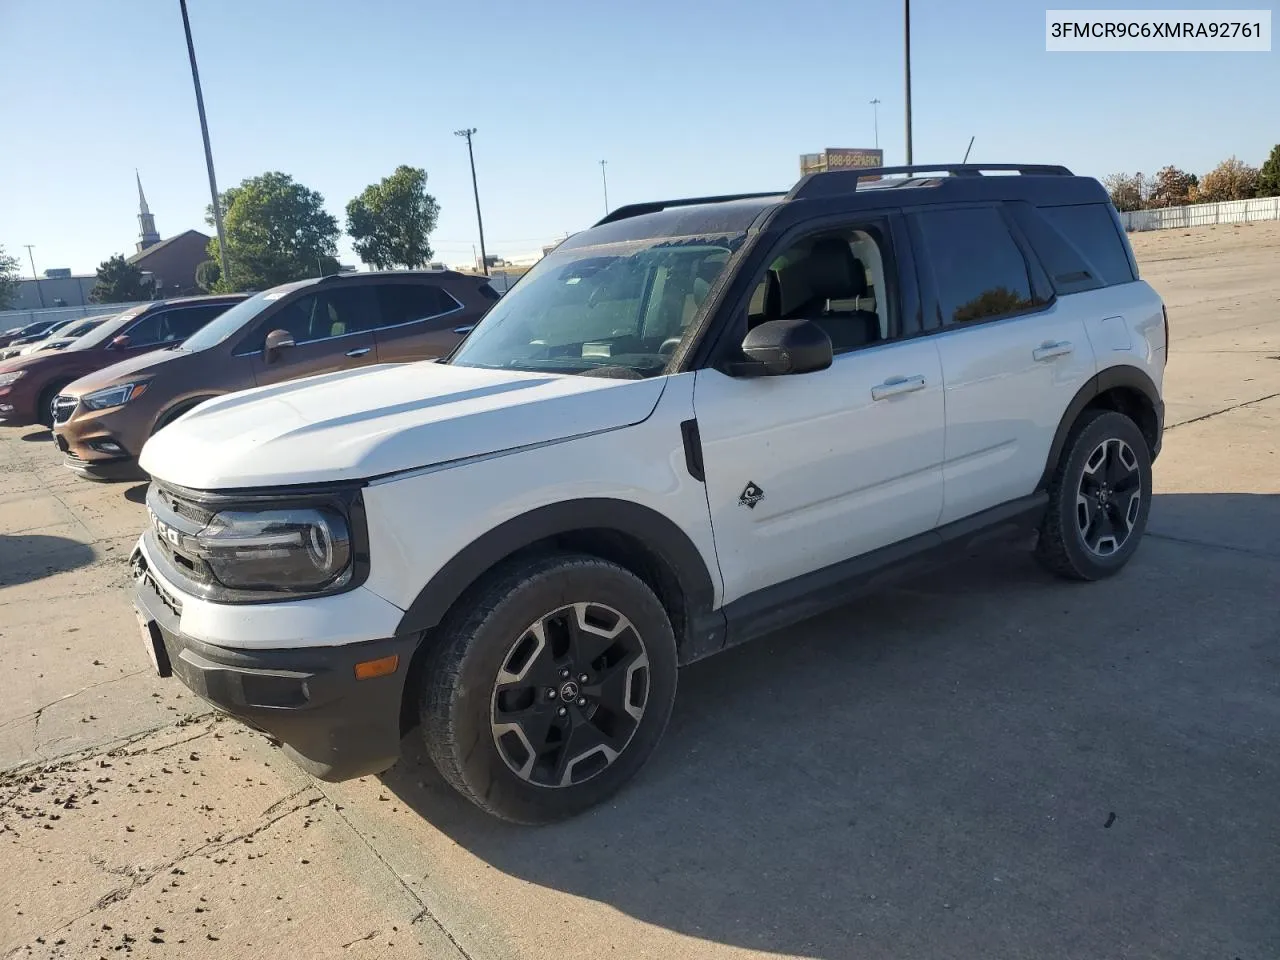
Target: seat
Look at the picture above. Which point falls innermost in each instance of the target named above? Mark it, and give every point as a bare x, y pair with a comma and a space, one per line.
830, 272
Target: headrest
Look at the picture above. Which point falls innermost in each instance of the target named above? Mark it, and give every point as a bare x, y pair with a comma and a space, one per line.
833, 272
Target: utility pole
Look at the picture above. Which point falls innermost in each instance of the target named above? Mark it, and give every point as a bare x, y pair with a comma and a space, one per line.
208, 150
605, 181
484, 260
35, 276
875, 119
906, 42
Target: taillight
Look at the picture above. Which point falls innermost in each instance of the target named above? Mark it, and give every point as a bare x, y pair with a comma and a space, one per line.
1165, 311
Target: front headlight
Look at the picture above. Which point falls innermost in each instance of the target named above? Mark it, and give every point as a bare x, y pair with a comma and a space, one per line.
116, 396
296, 550
7, 379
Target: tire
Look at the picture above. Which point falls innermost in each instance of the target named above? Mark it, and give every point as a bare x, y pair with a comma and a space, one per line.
44, 406
1093, 525
519, 624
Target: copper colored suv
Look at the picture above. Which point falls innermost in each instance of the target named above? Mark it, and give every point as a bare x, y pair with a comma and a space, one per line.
294, 330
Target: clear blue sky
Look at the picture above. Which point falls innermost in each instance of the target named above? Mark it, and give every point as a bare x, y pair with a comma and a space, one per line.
680, 96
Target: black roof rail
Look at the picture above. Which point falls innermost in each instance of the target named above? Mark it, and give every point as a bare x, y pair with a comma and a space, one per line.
653, 206
846, 181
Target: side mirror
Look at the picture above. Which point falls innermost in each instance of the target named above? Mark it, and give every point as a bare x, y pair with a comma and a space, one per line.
276, 341
119, 343
781, 347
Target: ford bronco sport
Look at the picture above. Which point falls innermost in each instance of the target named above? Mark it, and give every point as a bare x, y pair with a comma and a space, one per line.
693, 423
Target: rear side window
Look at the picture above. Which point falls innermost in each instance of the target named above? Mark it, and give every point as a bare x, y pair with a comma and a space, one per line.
1092, 230
407, 302
183, 323
979, 272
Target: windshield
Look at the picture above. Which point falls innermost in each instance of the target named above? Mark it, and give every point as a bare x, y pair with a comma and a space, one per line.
107, 329
231, 321
619, 305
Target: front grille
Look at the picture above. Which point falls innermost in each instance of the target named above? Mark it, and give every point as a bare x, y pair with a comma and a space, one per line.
176, 519
181, 506
63, 408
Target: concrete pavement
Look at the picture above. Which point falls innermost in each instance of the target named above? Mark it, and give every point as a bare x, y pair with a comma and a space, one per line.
985, 762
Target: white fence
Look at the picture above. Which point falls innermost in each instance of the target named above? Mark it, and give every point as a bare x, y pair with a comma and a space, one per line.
20, 318
1202, 214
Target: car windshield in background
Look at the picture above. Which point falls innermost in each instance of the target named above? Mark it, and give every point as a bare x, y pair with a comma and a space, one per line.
619, 305
227, 323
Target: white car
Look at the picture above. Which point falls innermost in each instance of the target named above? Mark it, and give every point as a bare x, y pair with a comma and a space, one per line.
694, 423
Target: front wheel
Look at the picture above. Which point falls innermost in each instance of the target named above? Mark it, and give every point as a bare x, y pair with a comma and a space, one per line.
550, 688
1099, 499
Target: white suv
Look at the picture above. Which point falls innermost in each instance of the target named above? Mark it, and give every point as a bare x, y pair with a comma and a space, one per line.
695, 422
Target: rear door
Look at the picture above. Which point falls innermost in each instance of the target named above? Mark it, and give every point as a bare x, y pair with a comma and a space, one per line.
419, 321
1013, 357
332, 329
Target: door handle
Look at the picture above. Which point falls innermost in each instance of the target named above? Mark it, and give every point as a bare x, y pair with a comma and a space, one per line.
463, 331
358, 351
1050, 349
896, 386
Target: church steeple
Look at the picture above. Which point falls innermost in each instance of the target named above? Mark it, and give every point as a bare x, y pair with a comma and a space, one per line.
148, 237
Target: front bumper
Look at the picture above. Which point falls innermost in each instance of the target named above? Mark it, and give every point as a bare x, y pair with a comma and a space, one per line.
331, 724
90, 444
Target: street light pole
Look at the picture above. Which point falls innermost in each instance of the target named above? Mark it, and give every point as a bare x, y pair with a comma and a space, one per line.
208, 150
605, 181
484, 260
875, 119
35, 276
906, 39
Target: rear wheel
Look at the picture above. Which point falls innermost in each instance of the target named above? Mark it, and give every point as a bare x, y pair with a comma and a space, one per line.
1099, 499
550, 688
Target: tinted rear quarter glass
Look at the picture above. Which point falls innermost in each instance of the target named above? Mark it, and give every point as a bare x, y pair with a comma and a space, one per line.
407, 302
1092, 230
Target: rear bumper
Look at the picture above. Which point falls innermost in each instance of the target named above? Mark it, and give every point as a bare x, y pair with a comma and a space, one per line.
331, 724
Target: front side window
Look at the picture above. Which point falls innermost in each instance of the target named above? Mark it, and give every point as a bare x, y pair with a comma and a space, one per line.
582, 309
323, 315
979, 271
151, 330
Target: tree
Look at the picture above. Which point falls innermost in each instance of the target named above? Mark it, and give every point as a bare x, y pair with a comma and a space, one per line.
1128, 191
1172, 188
277, 231
1269, 175
1230, 180
8, 279
391, 221
120, 281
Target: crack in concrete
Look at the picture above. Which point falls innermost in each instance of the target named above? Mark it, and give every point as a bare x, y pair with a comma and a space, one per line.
1192, 542
1216, 413
424, 911
142, 877
39, 711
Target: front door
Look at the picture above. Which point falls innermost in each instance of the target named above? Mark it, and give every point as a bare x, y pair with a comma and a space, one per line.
808, 470
332, 330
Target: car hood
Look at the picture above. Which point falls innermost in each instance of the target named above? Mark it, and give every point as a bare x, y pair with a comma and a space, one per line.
118, 372
366, 423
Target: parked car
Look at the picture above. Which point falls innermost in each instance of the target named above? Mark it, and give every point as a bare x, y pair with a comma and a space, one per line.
56, 339
694, 423
300, 329
29, 384
29, 332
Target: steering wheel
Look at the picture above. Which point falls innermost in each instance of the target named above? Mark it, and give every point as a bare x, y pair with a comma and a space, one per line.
669, 346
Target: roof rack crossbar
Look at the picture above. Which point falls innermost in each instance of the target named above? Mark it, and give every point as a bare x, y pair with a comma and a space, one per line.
846, 181
653, 206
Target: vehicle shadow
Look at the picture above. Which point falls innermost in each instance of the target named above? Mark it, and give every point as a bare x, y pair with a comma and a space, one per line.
138, 492
42, 435
28, 557
984, 761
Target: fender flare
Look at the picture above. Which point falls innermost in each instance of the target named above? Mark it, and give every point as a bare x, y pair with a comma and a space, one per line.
658, 533
1124, 376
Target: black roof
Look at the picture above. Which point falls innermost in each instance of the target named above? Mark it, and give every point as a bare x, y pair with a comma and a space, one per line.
1043, 185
